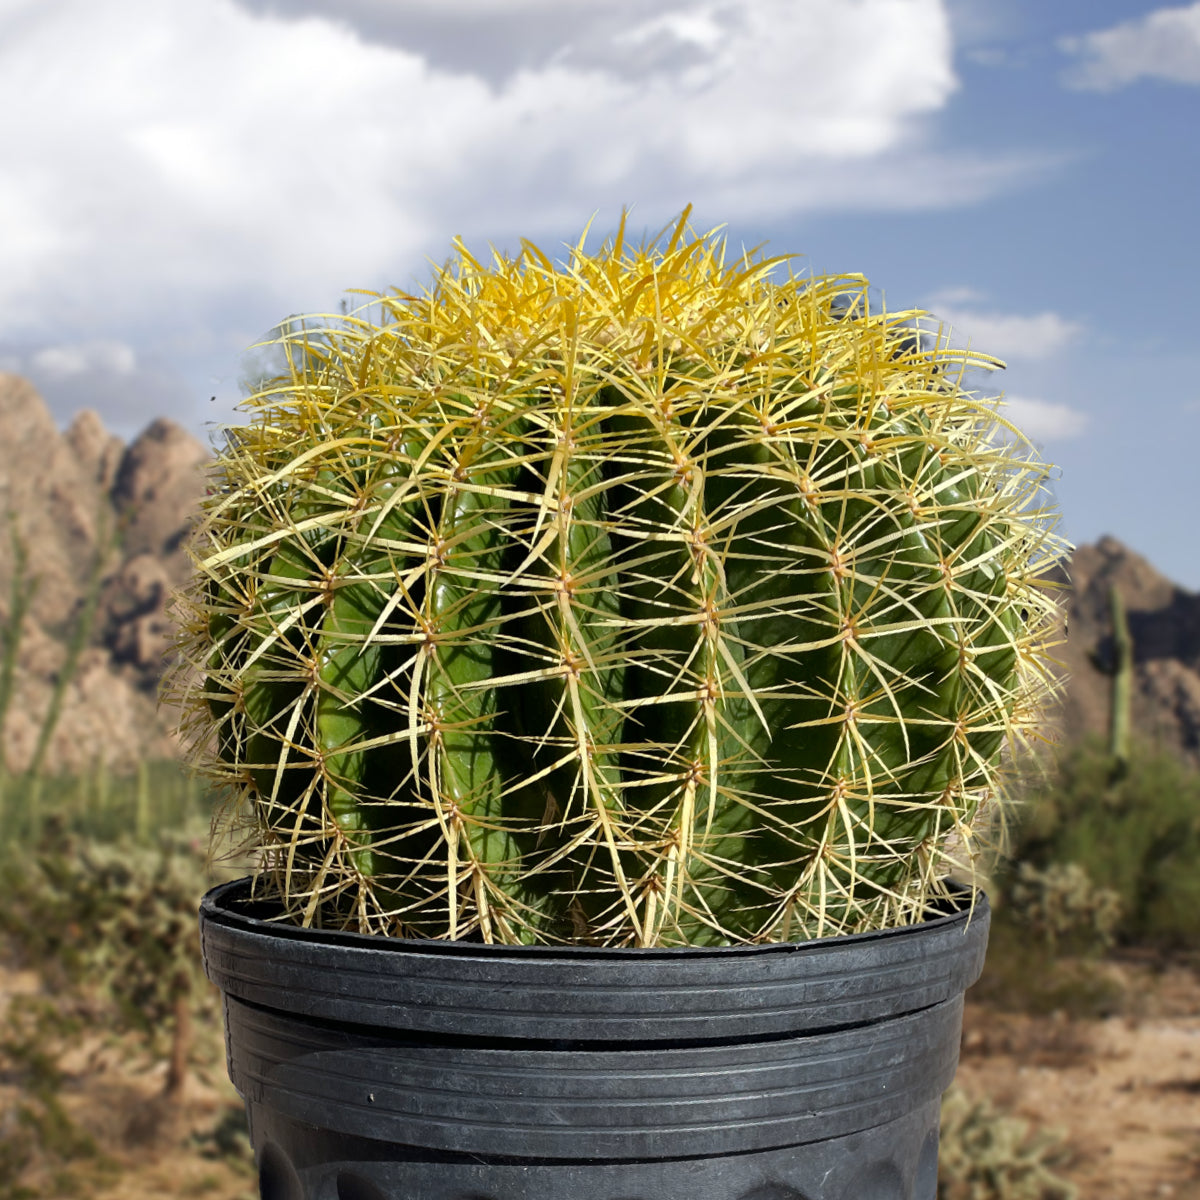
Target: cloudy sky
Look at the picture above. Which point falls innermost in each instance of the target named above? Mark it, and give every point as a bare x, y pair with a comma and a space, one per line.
175, 178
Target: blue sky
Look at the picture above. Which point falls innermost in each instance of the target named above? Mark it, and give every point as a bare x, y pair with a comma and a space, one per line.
177, 178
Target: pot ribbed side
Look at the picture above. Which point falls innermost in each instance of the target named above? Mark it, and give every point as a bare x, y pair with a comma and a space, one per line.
643, 1103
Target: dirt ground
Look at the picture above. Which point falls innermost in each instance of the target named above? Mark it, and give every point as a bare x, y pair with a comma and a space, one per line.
1123, 1089
121, 1140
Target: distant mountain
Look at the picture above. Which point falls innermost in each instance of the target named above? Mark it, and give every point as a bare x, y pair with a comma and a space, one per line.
1164, 625
69, 493
64, 499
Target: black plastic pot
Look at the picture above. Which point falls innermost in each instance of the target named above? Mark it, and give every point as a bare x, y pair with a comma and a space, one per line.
381, 1069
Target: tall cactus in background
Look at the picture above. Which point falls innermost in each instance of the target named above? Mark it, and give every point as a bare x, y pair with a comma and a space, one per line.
1121, 696
641, 599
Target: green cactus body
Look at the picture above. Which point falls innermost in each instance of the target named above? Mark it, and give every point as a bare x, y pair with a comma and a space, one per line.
639, 600
567, 721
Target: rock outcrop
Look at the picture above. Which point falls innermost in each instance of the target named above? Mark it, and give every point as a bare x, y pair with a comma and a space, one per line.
1164, 625
82, 513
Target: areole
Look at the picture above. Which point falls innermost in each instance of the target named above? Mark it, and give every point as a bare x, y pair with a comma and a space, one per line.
379, 1069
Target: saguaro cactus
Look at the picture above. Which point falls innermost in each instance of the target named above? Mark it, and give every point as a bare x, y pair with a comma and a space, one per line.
641, 599
1122, 686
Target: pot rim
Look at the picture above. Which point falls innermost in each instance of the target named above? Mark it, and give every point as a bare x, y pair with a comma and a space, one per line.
221, 905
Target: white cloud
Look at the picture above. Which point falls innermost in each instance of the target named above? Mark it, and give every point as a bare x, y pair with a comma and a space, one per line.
171, 157
106, 375
1163, 44
697, 29
84, 358
1043, 421
1003, 335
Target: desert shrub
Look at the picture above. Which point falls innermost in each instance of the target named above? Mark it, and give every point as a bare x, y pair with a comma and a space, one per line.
116, 920
1024, 975
1135, 834
110, 927
987, 1154
1064, 907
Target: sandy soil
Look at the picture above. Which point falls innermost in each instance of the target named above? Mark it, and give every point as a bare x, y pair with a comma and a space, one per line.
1123, 1089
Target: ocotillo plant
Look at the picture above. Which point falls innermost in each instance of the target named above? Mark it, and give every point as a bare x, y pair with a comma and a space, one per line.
21, 593
645, 598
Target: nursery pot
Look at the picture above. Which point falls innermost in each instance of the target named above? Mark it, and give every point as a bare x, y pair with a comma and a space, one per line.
384, 1069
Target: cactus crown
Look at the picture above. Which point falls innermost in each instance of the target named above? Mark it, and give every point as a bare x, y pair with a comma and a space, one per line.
641, 599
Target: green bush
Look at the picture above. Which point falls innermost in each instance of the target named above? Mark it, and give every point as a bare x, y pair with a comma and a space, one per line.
110, 927
1136, 834
36, 1127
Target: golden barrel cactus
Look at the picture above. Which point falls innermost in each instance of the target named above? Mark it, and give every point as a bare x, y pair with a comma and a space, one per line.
646, 598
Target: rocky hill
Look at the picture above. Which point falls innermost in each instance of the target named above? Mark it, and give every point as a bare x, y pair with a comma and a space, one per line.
1164, 625
80, 510
77, 494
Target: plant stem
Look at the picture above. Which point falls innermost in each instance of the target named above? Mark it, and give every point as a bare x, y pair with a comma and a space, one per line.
181, 1044
79, 637
143, 802
21, 593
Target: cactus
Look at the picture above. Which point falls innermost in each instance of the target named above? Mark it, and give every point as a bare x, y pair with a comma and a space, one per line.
642, 599
989, 1154
22, 589
1121, 693
1061, 904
